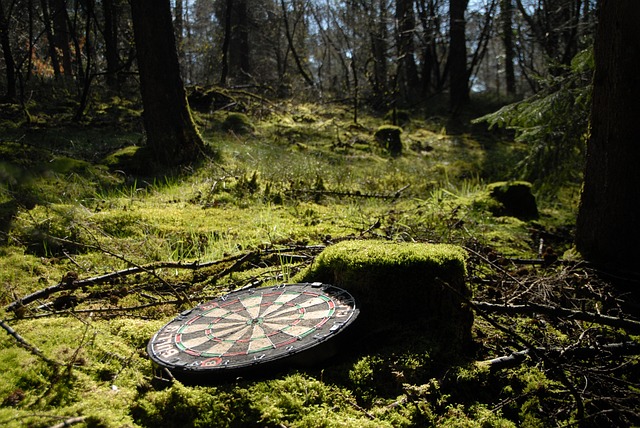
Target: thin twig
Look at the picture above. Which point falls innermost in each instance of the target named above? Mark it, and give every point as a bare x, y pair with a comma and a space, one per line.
69, 422
530, 308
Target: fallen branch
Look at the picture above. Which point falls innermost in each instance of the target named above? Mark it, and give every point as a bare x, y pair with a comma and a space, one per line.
530, 308
101, 279
515, 358
69, 422
29, 347
355, 194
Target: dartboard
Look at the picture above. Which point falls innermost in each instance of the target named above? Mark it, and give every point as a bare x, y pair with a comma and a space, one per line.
252, 327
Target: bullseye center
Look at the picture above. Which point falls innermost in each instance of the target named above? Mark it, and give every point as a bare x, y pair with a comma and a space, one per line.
255, 321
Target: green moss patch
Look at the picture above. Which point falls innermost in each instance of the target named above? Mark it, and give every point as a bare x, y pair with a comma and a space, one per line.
237, 123
130, 159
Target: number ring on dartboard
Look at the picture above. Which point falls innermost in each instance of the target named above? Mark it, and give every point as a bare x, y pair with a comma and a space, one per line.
253, 327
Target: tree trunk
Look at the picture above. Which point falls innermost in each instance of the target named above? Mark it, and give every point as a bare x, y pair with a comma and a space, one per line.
225, 43
378, 37
409, 83
292, 47
179, 29
239, 50
506, 15
171, 132
53, 54
8, 56
61, 34
607, 227
458, 74
111, 42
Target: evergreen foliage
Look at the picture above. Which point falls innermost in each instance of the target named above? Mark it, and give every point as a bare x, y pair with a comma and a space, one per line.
553, 123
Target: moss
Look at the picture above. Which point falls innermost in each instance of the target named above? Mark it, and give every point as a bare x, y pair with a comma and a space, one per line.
130, 159
388, 136
184, 406
302, 401
65, 165
416, 284
237, 123
477, 416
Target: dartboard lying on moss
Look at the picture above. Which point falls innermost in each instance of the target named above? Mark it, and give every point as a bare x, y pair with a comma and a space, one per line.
286, 323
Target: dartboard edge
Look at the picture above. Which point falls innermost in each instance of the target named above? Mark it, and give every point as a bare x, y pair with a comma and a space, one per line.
252, 329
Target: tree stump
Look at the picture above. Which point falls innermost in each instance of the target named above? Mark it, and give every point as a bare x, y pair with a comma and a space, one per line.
388, 136
514, 199
402, 287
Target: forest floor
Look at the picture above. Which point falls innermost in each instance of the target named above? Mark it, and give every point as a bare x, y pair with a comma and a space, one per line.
97, 254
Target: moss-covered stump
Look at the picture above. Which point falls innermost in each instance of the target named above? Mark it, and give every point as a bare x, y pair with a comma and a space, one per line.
237, 123
402, 287
388, 136
514, 199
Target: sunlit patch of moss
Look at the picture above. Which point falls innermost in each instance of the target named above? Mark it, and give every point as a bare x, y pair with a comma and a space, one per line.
97, 376
299, 401
476, 416
185, 406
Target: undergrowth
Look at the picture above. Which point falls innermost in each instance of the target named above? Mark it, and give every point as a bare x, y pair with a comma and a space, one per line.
127, 252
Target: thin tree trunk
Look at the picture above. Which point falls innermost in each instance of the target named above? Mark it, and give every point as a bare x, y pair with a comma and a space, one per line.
87, 76
61, 34
506, 15
409, 81
607, 227
294, 52
225, 43
111, 42
458, 74
10, 64
53, 53
179, 29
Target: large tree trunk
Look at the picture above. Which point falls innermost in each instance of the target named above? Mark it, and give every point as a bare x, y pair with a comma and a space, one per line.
607, 227
458, 74
171, 132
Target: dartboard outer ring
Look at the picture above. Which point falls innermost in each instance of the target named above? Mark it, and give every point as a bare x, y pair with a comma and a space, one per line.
287, 324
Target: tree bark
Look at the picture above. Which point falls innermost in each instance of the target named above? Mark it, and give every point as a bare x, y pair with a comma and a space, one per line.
226, 41
409, 82
46, 19
239, 49
506, 15
171, 132
111, 42
458, 74
8, 56
61, 34
294, 52
607, 226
